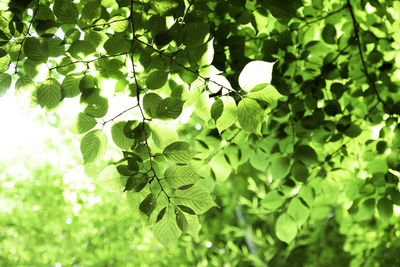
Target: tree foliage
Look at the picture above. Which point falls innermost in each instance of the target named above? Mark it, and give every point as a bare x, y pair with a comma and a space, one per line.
286, 98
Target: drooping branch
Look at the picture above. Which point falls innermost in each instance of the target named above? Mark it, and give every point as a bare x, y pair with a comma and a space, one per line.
26, 35
360, 52
87, 61
307, 23
118, 115
146, 135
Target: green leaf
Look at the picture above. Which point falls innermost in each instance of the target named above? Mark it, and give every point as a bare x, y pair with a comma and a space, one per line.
116, 44
353, 131
305, 154
250, 115
220, 166
255, 73
156, 79
5, 83
178, 152
97, 106
268, 93
385, 208
118, 23
216, 109
163, 6
329, 34
93, 145
65, 11
228, 116
298, 211
35, 50
195, 34
48, 94
300, 171
91, 11
162, 134
178, 175
83, 123
80, 49
166, 230
280, 167
195, 197
111, 180
148, 204
150, 104
70, 86
119, 137
169, 108
285, 228
273, 200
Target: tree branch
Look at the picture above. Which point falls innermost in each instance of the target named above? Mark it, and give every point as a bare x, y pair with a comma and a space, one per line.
26, 35
123, 112
141, 109
365, 70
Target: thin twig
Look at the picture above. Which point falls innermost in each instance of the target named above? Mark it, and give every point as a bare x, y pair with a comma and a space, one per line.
87, 61
321, 18
186, 68
141, 110
365, 70
113, 118
26, 35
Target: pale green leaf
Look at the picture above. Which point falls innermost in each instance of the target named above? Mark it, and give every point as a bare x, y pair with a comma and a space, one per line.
118, 23
111, 180
250, 115
178, 152
162, 134
268, 93
280, 167
195, 197
93, 145
255, 73
35, 50
285, 228
118, 136
180, 175
220, 166
48, 94
273, 200
83, 123
298, 211
228, 116
166, 230
5, 83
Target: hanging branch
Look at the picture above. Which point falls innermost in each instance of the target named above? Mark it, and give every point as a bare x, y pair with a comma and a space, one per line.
141, 110
118, 115
322, 18
26, 35
365, 70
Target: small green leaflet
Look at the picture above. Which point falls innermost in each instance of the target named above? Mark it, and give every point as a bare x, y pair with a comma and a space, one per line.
273, 200
150, 104
298, 211
162, 134
119, 137
178, 152
83, 123
385, 208
70, 86
285, 228
196, 197
169, 108
228, 116
166, 229
156, 79
111, 180
250, 115
97, 106
280, 167
118, 23
93, 145
195, 34
305, 154
178, 175
48, 95
5, 83
266, 93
